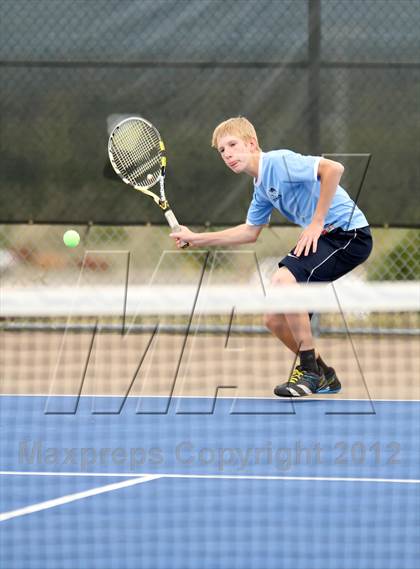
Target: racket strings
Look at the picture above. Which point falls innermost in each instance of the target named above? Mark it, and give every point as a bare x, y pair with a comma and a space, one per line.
136, 152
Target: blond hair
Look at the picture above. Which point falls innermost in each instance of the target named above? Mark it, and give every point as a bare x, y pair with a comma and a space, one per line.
236, 126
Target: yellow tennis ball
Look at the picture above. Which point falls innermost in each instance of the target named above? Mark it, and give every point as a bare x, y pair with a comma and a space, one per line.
149, 177
71, 238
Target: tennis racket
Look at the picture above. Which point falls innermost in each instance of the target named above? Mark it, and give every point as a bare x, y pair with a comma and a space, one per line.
137, 154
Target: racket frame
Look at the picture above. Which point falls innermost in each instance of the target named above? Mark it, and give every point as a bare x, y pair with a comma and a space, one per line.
160, 199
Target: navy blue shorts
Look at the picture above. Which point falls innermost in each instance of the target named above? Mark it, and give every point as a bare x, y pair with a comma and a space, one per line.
338, 253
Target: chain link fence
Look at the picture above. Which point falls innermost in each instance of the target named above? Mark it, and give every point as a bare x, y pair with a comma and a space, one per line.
315, 76
318, 76
35, 255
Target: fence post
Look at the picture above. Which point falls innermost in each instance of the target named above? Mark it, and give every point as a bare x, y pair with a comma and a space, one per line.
314, 61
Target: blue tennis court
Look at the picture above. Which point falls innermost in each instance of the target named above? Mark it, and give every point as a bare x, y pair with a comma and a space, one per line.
255, 483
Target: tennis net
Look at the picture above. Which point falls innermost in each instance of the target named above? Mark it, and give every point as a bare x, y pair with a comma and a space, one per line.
196, 340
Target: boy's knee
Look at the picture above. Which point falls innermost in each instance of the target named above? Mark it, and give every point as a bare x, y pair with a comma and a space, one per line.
283, 277
270, 321
274, 321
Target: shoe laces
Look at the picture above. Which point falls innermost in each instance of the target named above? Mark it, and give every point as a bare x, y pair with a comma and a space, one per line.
297, 374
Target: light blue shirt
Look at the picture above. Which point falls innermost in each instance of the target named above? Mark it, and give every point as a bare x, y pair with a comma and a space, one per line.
289, 182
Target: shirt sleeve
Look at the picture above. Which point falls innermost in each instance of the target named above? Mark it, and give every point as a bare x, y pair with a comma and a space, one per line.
296, 167
259, 211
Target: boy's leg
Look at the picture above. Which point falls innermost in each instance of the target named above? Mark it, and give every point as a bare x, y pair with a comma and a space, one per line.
294, 330
338, 252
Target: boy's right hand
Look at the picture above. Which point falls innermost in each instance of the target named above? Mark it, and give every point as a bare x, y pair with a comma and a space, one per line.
183, 235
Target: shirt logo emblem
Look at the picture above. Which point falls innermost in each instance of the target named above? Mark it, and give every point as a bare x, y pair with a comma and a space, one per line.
273, 193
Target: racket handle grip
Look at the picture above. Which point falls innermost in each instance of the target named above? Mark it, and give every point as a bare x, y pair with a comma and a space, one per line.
173, 222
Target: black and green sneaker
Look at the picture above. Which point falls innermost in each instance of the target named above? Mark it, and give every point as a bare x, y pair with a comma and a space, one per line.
329, 382
304, 382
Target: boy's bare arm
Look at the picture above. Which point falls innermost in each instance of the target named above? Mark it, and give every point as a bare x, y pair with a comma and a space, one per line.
238, 235
330, 173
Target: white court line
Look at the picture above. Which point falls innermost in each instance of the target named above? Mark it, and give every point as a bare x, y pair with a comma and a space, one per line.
73, 497
256, 398
215, 476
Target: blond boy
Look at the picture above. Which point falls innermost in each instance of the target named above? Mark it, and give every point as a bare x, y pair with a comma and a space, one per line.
335, 237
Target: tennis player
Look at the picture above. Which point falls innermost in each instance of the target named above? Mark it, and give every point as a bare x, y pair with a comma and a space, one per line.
335, 239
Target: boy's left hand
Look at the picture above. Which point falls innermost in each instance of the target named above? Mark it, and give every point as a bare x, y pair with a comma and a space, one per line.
309, 239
